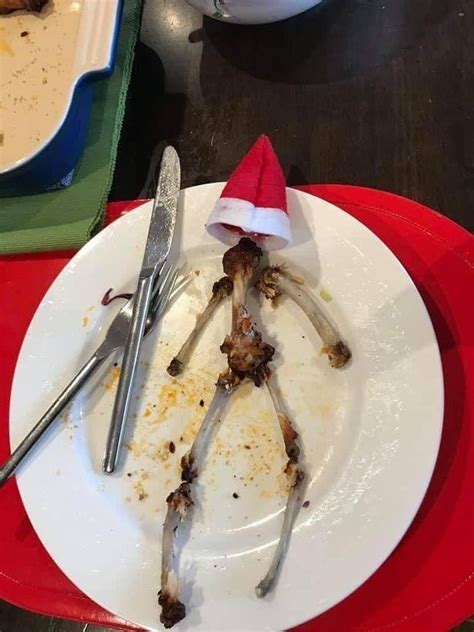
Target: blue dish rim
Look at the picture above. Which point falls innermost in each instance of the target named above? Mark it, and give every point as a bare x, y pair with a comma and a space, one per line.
80, 82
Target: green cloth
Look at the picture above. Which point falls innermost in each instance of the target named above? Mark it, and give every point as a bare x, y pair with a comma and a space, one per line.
67, 218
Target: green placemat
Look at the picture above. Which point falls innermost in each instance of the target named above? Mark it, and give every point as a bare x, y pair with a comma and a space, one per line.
67, 218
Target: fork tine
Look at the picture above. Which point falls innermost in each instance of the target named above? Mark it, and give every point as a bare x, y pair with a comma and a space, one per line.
165, 290
170, 293
179, 285
161, 277
166, 275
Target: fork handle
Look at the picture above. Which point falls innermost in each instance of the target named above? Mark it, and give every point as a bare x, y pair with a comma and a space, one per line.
131, 356
49, 416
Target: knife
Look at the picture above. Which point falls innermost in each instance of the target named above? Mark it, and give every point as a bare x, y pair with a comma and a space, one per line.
158, 244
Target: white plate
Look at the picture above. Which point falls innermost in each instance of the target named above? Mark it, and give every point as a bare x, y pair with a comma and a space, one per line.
370, 433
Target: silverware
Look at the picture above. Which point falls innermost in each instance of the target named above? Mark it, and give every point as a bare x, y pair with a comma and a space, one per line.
160, 236
114, 339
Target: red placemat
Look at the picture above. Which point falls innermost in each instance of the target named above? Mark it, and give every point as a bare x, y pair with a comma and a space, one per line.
427, 583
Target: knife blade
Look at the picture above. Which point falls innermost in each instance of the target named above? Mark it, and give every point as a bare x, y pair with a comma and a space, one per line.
158, 244
163, 217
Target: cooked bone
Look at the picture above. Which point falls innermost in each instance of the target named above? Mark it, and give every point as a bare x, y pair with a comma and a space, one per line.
276, 281
220, 290
295, 475
180, 504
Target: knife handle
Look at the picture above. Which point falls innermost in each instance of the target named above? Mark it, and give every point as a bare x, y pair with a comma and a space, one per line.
129, 368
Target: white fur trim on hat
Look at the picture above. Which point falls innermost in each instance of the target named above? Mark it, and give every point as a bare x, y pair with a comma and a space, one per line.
272, 223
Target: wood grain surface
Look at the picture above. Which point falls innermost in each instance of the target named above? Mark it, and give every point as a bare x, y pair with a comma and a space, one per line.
376, 93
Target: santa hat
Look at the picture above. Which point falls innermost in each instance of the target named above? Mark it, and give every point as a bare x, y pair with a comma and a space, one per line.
253, 201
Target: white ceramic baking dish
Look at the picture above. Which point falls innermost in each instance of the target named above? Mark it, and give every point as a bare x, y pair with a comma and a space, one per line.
49, 62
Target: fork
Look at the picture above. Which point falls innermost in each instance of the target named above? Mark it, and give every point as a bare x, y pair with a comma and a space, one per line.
165, 289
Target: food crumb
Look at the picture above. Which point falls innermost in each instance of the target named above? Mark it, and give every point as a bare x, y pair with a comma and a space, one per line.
306, 504
324, 294
140, 490
197, 272
201, 403
298, 279
235, 495
112, 379
172, 447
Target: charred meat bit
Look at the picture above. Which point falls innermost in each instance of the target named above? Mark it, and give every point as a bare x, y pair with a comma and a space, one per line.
175, 367
181, 499
222, 288
172, 609
247, 354
338, 354
242, 259
188, 473
289, 438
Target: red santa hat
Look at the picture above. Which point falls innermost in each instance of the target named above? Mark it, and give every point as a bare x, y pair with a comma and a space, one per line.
253, 201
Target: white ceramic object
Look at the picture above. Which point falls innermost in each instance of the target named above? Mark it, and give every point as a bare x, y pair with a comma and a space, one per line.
252, 11
370, 433
47, 60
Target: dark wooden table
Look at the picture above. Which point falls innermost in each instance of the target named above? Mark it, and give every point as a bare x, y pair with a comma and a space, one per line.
372, 92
